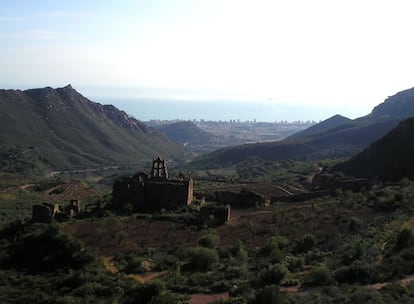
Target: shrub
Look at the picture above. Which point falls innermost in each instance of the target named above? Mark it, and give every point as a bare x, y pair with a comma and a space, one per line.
274, 274
238, 253
234, 272
202, 259
358, 271
354, 224
305, 244
210, 240
50, 249
271, 250
320, 276
404, 238
313, 257
269, 295
151, 292
386, 204
308, 242
295, 264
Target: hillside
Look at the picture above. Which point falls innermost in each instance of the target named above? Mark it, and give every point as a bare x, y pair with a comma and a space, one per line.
390, 158
328, 124
61, 129
187, 132
345, 138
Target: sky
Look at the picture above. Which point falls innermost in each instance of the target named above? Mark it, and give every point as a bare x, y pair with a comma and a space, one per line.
317, 58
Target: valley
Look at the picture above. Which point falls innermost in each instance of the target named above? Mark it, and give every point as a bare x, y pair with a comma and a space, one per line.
206, 152
306, 219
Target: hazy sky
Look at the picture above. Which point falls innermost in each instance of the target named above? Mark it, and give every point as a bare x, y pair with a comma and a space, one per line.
347, 56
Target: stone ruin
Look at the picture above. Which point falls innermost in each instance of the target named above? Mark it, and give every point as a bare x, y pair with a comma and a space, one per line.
47, 212
217, 214
153, 192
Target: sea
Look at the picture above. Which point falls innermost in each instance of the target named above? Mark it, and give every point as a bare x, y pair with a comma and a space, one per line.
146, 109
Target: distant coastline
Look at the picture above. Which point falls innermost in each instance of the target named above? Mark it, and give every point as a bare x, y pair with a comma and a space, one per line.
146, 109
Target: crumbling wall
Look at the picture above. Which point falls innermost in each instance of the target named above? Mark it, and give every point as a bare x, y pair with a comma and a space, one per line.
46, 212
216, 214
41, 213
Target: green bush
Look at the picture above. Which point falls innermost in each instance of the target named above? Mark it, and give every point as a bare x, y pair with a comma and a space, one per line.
50, 249
295, 264
308, 242
386, 204
313, 257
357, 272
354, 224
202, 259
210, 240
152, 292
320, 276
238, 253
404, 238
271, 250
234, 272
273, 275
269, 294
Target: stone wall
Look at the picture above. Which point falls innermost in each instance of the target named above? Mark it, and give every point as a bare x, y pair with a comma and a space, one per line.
152, 194
216, 214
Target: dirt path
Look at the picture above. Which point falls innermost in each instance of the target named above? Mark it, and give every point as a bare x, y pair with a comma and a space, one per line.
25, 187
199, 298
109, 265
300, 289
404, 282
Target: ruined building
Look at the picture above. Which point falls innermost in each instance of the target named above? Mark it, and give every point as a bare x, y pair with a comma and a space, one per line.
153, 192
46, 212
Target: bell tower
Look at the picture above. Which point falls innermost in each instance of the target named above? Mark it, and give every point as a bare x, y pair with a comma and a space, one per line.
159, 169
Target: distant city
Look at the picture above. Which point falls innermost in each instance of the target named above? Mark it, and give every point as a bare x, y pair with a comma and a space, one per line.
240, 131
302, 123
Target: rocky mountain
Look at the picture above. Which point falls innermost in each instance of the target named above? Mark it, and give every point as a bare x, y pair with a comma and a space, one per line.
390, 158
61, 129
335, 137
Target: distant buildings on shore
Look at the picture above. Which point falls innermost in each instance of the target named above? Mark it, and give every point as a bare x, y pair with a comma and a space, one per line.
157, 122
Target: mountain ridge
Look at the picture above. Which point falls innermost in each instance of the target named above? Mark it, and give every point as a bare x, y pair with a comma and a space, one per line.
68, 130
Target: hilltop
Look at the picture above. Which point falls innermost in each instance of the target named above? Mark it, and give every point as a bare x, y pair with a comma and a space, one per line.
61, 129
328, 124
187, 132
